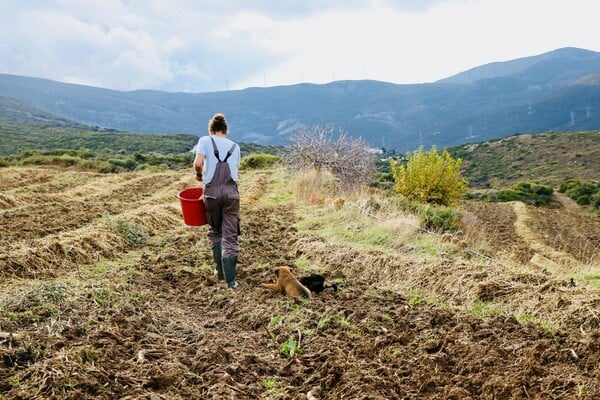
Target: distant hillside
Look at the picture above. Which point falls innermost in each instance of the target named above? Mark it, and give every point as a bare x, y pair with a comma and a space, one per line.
20, 137
554, 91
548, 158
558, 67
15, 138
13, 110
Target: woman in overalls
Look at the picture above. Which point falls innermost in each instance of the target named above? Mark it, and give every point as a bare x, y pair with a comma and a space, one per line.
217, 161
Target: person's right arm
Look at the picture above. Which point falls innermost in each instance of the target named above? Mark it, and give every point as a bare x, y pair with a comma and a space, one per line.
199, 166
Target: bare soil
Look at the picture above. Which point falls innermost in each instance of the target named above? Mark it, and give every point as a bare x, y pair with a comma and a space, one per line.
85, 314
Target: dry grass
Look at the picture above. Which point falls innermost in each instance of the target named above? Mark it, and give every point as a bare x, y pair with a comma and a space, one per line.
64, 251
372, 237
313, 187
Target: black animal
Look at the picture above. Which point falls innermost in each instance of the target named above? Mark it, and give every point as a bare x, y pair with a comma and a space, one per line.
316, 283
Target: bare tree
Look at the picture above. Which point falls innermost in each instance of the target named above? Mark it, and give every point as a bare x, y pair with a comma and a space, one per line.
349, 160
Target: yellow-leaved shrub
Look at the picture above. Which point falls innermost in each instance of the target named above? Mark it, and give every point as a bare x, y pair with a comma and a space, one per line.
429, 177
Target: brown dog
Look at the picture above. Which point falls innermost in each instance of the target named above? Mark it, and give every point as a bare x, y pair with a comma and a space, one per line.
287, 284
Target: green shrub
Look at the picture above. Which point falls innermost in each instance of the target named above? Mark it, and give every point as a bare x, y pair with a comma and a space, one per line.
583, 200
584, 192
533, 188
438, 218
596, 199
543, 190
151, 168
481, 195
509, 195
258, 161
383, 180
101, 166
3, 163
522, 186
527, 192
127, 164
33, 160
429, 177
139, 157
569, 185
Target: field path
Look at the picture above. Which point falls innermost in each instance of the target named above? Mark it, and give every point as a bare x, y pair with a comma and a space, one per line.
535, 241
567, 202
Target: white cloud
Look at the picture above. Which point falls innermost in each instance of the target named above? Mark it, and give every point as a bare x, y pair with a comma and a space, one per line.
392, 45
204, 46
85, 45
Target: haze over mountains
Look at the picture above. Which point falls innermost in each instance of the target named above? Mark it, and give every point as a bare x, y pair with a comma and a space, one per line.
554, 91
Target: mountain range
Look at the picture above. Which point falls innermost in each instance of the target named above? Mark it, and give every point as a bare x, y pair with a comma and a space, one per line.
554, 91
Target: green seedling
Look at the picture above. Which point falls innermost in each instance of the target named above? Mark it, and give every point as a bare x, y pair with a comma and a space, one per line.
290, 348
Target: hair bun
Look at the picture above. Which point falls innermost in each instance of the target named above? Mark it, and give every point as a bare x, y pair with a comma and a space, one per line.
218, 117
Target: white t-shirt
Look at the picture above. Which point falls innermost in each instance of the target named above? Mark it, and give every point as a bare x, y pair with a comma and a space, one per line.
205, 148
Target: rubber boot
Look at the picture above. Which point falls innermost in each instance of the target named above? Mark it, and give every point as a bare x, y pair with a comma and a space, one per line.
216, 249
229, 270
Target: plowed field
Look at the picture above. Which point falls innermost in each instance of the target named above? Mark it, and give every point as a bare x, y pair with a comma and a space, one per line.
88, 311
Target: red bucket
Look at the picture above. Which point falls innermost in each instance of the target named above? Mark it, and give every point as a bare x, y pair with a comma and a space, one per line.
194, 212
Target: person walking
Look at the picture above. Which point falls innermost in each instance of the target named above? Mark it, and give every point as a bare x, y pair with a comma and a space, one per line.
216, 163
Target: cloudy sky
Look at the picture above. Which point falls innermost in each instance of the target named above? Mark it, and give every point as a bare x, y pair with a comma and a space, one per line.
201, 45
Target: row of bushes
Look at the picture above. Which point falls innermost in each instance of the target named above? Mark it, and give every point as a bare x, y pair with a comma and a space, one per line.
105, 162
584, 192
113, 163
527, 192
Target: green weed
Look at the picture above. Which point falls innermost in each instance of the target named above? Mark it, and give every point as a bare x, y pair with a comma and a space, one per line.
397, 352
275, 320
290, 348
269, 383
481, 309
302, 262
387, 318
343, 322
14, 381
528, 319
101, 296
51, 292
273, 390
325, 322
40, 300
88, 355
416, 299
133, 233
581, 389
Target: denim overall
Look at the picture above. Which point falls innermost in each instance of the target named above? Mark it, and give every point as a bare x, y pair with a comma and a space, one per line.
222, 200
